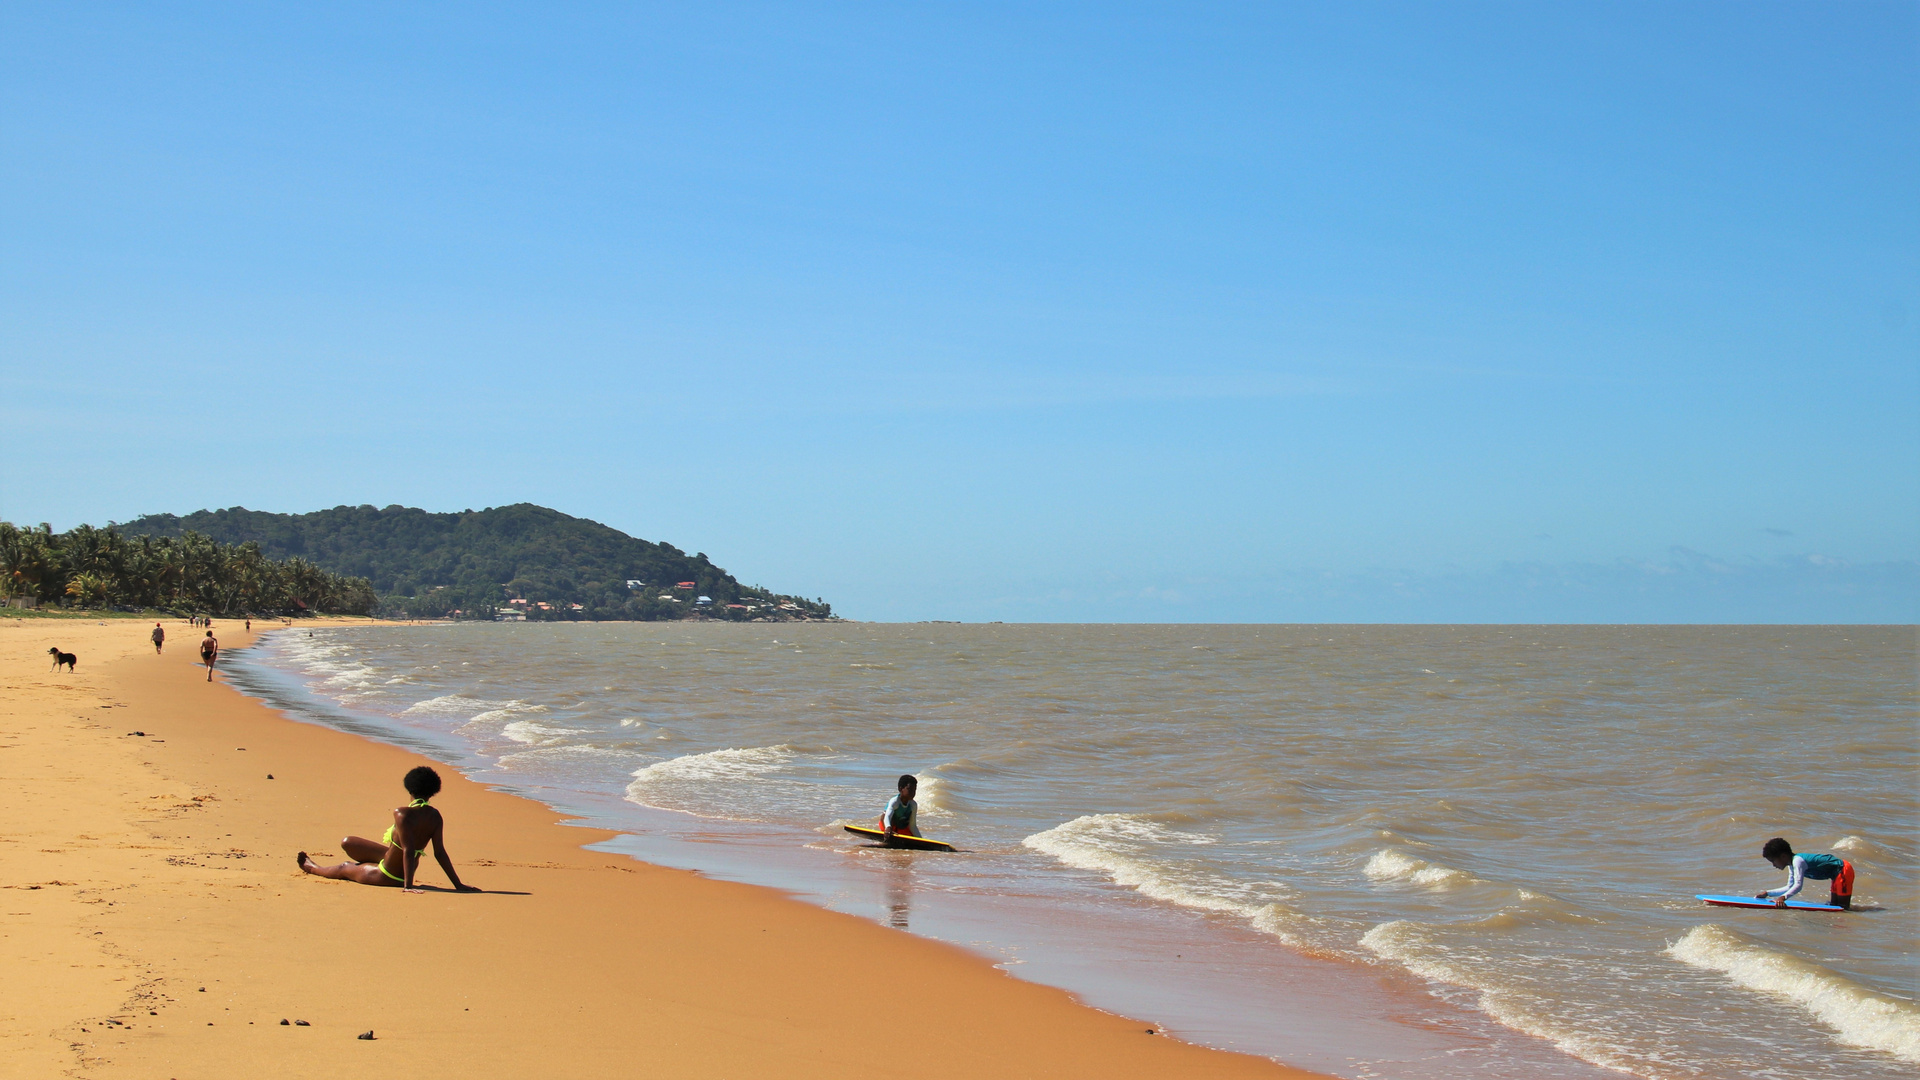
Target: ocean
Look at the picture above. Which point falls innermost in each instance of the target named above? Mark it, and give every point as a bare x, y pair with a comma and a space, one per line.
1375, 851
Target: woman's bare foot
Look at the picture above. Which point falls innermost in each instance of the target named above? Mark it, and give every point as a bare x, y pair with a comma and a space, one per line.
303, 861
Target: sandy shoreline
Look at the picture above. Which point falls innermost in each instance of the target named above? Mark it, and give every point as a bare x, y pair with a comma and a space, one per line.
140, 869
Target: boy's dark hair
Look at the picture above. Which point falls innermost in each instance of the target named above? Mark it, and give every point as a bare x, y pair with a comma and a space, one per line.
1776, 848
907, 779
421, 782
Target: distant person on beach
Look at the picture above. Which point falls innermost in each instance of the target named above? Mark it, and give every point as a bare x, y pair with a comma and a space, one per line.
249, 626
1800, 868
394, 859
902, 813
159, 638
209, 652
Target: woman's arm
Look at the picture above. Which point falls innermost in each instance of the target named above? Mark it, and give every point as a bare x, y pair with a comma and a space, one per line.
446, 861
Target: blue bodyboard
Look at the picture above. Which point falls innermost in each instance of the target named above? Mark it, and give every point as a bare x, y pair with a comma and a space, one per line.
1750, 902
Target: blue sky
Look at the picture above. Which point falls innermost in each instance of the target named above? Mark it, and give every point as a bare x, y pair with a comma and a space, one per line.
1061, 312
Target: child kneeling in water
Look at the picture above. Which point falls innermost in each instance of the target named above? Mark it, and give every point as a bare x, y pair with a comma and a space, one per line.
901, 812
1803, 867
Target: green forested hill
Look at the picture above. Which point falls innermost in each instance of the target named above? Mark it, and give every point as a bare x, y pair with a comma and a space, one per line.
427, 565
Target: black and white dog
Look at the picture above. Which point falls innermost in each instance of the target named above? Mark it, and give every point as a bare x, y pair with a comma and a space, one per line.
60, 658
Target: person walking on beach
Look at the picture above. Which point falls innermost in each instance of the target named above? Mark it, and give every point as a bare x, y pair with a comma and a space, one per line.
395, 857
902, 813
159, 638
1818, 867
209, 652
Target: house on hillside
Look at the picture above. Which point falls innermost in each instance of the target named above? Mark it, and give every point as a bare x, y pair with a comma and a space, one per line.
636, 583
704, 600
687, 585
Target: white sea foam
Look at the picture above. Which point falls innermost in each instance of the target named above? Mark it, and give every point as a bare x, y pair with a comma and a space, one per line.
1408, 944
549, 755
1859, 1016
536, 734
1124, 847
458, 705
1390, 864
935, 796
735, 783
361, 678
1857, 844
730, 764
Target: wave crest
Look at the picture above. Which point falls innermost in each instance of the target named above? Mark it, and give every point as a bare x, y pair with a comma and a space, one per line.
1390, 864
459, 705
1410, 944
1860, 1016
730, 764
530, 733
1122, 846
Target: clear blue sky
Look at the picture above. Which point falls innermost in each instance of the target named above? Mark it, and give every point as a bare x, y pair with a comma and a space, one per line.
1184, 312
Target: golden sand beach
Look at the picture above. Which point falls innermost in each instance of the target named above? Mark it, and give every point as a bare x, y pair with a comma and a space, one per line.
153, 922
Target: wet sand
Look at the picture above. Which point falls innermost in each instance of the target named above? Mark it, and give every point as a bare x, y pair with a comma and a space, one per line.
153, 922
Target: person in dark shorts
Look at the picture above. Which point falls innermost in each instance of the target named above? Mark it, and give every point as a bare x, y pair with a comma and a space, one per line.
209, 652
159, 637
1802, 868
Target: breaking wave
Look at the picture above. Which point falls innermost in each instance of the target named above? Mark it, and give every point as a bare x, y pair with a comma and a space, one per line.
458, 705
1393, 865
736, 784
1859, 1016
1124, 847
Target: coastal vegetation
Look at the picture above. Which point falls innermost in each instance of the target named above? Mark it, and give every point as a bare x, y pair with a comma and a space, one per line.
92, 568
519, 561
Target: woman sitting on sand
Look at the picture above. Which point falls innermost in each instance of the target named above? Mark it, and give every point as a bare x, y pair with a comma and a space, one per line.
393, 859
